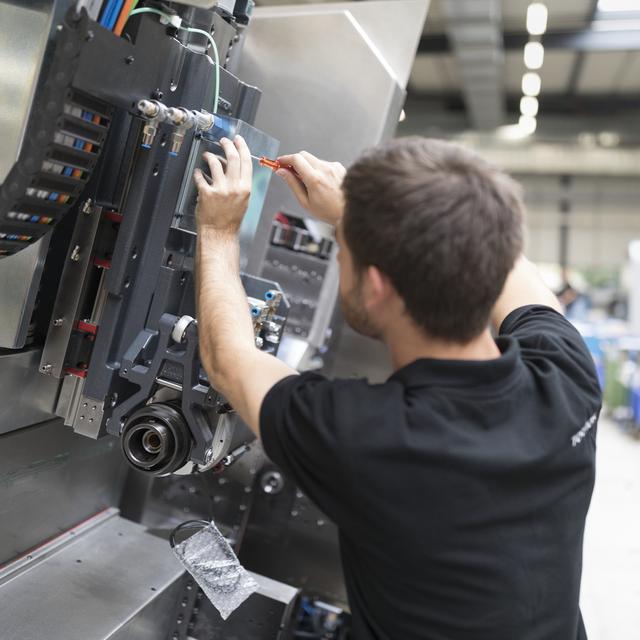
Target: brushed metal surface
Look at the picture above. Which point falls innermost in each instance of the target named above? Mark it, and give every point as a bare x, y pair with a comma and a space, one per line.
333, 77
26, 397
72, 283
50, 480
19, 281
106, 584
24, 32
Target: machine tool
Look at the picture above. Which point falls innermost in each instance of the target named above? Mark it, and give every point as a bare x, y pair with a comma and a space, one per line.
110, 432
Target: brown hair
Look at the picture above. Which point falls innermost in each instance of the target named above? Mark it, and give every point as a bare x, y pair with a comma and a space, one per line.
441, 223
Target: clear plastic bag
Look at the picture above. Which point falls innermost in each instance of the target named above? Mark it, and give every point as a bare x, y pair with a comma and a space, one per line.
207, 556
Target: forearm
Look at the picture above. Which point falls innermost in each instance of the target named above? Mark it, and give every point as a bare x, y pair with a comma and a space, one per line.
235, 366
224, 323
524, 286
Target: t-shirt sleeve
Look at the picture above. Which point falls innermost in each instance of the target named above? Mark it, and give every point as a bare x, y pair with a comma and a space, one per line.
548, 340
304, 432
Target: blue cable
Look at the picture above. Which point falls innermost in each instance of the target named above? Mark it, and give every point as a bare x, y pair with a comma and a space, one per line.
114, 14
106, 13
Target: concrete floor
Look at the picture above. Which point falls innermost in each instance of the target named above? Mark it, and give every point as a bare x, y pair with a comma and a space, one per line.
611, 576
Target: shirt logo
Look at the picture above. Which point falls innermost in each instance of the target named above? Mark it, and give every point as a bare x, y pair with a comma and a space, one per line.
588, 425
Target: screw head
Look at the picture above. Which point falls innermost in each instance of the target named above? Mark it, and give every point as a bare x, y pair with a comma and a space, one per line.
272, 482
129, 60
58, 322
157, 94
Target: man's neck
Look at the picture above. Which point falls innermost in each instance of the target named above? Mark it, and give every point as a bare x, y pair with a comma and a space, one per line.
410, 344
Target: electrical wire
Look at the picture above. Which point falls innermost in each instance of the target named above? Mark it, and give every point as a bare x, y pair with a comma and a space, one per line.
216, 90
128, 7
216, 69
114, 15
107, 12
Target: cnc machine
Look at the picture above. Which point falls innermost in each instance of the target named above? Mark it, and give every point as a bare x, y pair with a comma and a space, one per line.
110, 432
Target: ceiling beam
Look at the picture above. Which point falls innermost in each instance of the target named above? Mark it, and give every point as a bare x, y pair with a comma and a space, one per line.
578, 63
572, 40
552, 103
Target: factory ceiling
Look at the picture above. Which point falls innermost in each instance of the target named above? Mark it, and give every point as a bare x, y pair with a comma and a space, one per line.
471, 59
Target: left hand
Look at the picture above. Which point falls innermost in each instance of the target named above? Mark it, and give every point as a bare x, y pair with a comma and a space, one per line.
222, 205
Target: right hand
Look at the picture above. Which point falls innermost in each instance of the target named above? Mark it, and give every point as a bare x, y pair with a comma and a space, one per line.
317, 185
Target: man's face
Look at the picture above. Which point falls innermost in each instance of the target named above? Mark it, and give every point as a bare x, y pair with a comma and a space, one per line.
352, 291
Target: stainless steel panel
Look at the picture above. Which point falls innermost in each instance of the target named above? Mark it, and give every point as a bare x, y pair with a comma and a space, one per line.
50, 480
19, 282
24, 32
105, 584
333, 77
26, 397
265, 615
72, 284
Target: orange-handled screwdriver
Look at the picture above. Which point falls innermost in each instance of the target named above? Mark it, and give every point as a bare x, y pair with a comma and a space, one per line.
274, 165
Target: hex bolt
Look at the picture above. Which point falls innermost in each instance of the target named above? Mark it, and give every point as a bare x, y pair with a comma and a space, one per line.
87, 206
75, 254
129, 60
208, 456
46, 368
58, 322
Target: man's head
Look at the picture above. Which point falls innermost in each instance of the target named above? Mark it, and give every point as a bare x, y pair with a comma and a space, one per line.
435, 226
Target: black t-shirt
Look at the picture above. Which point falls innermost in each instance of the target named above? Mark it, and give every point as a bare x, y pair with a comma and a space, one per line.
460, 488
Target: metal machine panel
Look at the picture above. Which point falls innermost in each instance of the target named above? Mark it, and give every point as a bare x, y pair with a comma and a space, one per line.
24, 32
113, 582
50, 480
333, 109
265, 615
19, 282
27, 397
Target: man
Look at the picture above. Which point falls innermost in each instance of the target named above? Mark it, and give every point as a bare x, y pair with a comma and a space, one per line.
460, 486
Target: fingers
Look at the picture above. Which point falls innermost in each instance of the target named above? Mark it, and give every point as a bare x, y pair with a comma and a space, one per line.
300, 164
215, 166
233, 159
200, 180
246, 164
298, 188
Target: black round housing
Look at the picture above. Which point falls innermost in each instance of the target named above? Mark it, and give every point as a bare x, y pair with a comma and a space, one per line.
155, 439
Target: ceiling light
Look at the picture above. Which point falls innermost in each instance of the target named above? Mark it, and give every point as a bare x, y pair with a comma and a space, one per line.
618, 5
537, 19
533, 55
527, 125
587, 140
512, 132
529, 106
531, 84
609, 138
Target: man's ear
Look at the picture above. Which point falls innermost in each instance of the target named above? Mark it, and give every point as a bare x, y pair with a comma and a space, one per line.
378, 288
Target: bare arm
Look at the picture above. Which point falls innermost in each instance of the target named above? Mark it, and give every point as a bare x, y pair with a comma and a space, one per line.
236, 368
524, 286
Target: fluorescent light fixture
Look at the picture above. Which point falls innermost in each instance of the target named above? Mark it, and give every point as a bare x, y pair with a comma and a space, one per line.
531, 84
537, 18
527, 124
609, 139
529, 106
512, 133
618, 5
533, 55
